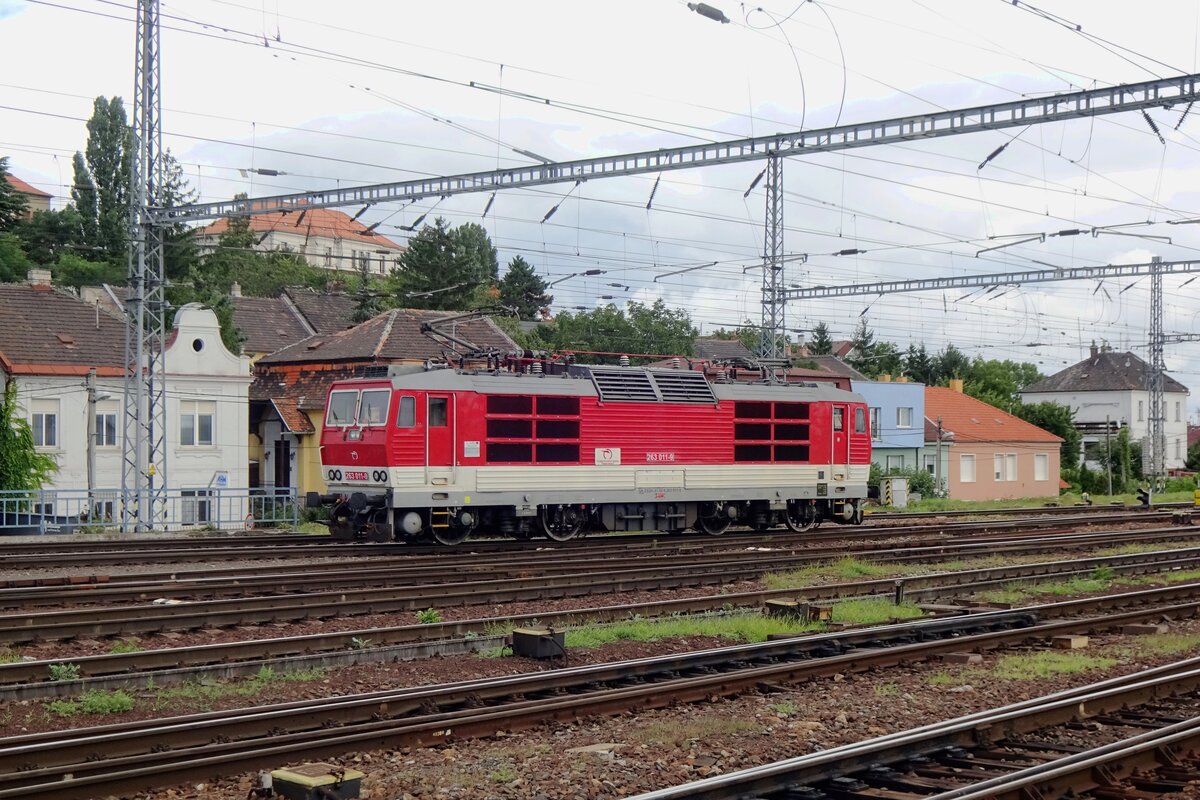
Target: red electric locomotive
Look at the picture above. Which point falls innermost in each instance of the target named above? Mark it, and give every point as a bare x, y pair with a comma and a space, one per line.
440, 453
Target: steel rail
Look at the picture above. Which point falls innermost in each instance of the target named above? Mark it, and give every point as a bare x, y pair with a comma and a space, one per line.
124, 620
60, 764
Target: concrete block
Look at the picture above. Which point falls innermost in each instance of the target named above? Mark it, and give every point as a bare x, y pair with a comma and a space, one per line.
1144, 629
1075, 641
787, 609
962, 658
820, 613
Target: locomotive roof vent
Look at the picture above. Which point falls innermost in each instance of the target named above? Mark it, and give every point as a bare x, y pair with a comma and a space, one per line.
646, 386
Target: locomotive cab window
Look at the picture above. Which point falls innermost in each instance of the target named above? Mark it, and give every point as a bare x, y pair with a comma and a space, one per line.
407, 418
839, 419
342, 407
860, 421
373, 410
437, 412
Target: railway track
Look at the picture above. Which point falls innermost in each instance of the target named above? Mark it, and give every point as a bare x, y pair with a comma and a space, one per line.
29, 678
1014, 512
166, 550
102, 621
129, 757
1008, 753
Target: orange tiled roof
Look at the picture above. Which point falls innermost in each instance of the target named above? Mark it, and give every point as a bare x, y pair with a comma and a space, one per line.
310, 223
24, 188
973, 420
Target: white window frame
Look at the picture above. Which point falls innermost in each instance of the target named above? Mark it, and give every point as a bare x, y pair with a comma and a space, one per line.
900, 421
41, 412
998, 467
102, 415
876, 424
1177, 418
196, 506
329, 421
1010, 467
963, 460
362, 406
1041, 467
195, 411
1177, 448
887, 460
930, 463
1141, 410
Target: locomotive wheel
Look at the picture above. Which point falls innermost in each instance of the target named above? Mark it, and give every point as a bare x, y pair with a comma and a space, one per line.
561, 523
714, 523
455, 533
800, 517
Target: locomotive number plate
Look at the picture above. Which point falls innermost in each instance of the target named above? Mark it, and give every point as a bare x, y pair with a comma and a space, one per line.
356, 476
659, 457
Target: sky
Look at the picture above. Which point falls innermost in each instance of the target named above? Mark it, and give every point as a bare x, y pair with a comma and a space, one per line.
368, 92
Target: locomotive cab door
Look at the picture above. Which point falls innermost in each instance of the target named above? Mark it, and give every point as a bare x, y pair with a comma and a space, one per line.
439, 437
840, 435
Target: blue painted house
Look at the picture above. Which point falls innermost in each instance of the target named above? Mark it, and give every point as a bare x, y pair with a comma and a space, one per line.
897, 422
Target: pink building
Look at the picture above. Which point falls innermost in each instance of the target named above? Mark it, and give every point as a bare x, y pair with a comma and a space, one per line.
992, 454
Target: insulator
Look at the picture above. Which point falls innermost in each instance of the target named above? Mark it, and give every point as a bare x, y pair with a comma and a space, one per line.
1154, 127
537, 368
624, 361
1183, 116
675, 363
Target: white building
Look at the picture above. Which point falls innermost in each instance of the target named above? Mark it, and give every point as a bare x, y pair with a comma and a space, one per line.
1110, 387
51, 340
325, 238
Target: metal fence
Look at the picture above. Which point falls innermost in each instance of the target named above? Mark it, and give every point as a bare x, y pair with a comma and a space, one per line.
78, 510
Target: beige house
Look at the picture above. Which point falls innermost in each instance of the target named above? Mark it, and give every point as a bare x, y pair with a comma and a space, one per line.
325, 238
35, 199
992, 455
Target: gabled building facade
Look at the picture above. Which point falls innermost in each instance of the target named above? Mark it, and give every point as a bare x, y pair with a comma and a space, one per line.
990, 454
49, 343
1107, 391
897, 422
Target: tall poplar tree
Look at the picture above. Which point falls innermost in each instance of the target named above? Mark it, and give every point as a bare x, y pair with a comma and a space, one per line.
523, 290
12, 203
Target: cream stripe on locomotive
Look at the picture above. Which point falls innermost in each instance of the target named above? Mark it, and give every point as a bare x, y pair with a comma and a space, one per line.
715, 477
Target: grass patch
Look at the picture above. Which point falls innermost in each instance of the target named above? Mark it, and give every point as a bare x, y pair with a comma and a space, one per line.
886, 690
983, 506
205, 694
504, 774
312, 527
9, 656
677, 734
93, 702
1028, 666
739, 627
1167, 643
943, 678
124, 646
1146, 547
783, 709
872, 611
846, 569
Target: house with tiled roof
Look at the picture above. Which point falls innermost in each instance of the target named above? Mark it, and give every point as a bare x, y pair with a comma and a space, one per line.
325, 237
287, 399
1108, 391
268, 324
35, 198
49, 342
990, 454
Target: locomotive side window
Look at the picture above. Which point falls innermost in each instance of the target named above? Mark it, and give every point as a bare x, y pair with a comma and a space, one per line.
509, 404
553, 406
342, 407
860, 421
839, 419
437, 412
374, 407
407, 418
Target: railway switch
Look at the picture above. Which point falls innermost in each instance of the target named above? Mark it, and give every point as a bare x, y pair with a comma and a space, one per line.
317, 782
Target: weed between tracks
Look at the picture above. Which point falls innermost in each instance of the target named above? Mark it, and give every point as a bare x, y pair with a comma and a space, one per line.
1101, 580
679, 733
203, 695
93, 702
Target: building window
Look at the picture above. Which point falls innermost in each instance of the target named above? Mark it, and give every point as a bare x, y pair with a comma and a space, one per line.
1177, 443
1177, 417
407, 418
197, 507
966, 468
1141, 410
931, 464
903, 417
328, 256
1041, 467
895, 463
875, 417
106, 429
196, 423
45, 423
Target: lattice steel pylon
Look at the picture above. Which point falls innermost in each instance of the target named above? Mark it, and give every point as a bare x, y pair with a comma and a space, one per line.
772, 347
144, 468
1156, 453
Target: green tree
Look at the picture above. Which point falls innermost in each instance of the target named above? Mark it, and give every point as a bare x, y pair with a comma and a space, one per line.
1059, 420
951, 363
821, 343
434, 272
919, 366
862, 352
653, 329
22, 467
105, 178
14, 264
366, 296
522, 290
12, 203
749, 334
887, 359
1193, 456
661, 330
479, 254
75, 272
50, 234
999, 382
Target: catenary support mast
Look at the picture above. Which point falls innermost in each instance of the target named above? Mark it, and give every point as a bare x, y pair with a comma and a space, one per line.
144, 467
772, 347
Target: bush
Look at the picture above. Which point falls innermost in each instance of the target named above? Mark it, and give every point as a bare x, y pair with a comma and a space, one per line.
430, 616
920, 481
1181, 484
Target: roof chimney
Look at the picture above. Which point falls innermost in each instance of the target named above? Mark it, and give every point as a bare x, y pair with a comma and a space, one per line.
38, 277
956, 385
885, 378
902, 379
1095, 350
235, 290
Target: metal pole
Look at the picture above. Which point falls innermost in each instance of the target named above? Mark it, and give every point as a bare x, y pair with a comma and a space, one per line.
1158, 367
938, 465
91, 441
1108, 451
771, 347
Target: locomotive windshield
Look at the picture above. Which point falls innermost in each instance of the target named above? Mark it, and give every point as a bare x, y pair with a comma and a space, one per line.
342, 406
374, 407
